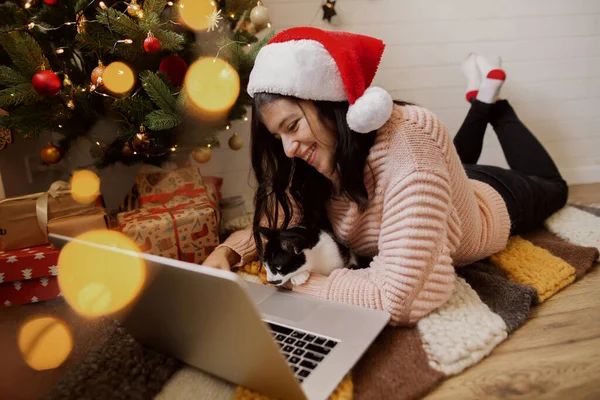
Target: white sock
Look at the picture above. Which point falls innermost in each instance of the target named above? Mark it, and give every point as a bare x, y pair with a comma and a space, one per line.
493, 77
471, 72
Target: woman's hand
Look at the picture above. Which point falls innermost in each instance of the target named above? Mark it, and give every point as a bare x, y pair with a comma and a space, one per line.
222, 258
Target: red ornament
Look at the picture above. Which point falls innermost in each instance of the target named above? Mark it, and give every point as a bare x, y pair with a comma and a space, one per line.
50, 2
46, 83
151, 44
174, 68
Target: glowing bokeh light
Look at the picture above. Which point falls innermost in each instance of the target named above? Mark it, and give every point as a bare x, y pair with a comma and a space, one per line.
96, 281
212, 86
85, 186
118, 77
196, 13
45, 342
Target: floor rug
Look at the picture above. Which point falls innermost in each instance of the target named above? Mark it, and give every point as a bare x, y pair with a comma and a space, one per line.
492, 299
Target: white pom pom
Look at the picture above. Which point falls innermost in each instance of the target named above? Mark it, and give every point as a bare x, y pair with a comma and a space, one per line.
370, 111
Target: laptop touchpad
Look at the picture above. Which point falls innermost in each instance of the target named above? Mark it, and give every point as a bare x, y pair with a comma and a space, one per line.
289, 307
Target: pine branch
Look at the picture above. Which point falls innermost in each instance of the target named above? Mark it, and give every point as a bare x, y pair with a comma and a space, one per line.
10, 77
24, 52
98, 40
120, 23
181, 100
30, 121
169, 40
154, 7
134, 110
158, 91
22, 93
259, 45
161, 120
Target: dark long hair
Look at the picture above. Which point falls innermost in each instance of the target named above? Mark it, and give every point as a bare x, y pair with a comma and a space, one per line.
277, 175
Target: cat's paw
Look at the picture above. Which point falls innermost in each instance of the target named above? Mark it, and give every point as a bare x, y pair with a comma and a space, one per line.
300, 278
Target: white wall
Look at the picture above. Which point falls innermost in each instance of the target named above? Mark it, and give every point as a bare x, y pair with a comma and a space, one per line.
551, 53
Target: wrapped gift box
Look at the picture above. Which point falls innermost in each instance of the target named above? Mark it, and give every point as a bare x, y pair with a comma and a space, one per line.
31, 291
179, 215
186, 230
20, 226
28, 275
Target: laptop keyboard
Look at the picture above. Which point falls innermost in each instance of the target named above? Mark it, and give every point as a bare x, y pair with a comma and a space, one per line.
303, 351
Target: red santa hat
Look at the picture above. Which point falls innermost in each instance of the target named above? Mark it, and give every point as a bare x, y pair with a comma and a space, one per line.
313, 64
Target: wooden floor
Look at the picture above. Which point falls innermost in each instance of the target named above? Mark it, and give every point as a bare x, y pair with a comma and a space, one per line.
555, 355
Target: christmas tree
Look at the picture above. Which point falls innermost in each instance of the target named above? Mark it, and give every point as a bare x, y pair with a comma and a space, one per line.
154, 67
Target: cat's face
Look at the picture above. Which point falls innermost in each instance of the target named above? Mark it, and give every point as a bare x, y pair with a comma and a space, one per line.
284, 254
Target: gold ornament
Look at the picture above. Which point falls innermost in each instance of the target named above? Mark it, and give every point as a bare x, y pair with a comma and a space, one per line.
127, 150
142, 142
5, 136
134, 9
235, 142
259, 16
81, 20
251, 29
202, 154
50, 154
97, 74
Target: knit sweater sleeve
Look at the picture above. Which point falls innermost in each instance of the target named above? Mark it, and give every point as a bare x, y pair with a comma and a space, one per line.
412, 274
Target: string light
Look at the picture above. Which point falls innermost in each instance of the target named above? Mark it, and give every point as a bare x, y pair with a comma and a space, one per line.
173, 149
70, 104
170, 3
127, 41
245, 118
269, 25
28, 5
60, 51
31, 25
102, 5
60, 126
227, 127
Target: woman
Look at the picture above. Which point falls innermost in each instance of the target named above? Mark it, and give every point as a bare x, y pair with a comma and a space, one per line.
386, 175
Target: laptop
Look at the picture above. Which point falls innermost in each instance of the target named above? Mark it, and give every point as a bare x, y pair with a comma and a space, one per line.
282, 344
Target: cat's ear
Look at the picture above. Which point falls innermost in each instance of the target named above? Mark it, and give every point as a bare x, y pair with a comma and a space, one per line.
290, 246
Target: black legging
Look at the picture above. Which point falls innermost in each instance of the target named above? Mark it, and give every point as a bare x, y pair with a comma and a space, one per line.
533, 188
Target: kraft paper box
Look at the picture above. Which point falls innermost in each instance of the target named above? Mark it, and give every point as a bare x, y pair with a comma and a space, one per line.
19, 227
84, 221
186, 230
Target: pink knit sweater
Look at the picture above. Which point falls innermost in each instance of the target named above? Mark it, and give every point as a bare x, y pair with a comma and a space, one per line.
424, 217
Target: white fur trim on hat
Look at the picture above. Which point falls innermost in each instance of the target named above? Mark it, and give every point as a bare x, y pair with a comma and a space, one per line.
370, 111
299, 68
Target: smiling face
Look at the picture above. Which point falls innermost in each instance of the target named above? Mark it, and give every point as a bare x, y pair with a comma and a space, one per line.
302, 133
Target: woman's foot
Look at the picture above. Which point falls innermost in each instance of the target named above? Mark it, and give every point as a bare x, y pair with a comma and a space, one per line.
471, 72
493, 77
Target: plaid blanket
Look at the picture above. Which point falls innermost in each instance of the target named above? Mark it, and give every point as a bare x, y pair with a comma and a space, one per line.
492, 299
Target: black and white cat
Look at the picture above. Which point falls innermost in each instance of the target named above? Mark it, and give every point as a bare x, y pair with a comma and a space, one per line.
292, 254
